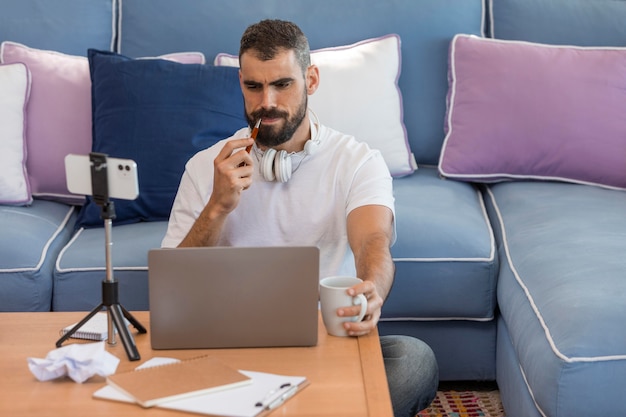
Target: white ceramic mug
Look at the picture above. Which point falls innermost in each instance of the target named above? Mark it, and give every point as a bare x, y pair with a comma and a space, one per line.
333, 295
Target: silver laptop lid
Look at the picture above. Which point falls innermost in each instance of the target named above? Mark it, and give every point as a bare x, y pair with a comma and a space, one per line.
227, 297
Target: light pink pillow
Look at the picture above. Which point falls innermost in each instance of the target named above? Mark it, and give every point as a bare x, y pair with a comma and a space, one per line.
519, 110
59, 114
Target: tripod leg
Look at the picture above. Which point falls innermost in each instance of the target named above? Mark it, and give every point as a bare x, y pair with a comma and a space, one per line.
78, 325
133, 320
127, 339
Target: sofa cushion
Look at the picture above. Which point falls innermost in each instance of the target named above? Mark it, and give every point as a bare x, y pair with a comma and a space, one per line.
32, 237
14, 95
444, 246
445, 249
56, 25
563, 22
81, 266
522, 110
561, 292
343, 103
425, 27
465, 349
158, 113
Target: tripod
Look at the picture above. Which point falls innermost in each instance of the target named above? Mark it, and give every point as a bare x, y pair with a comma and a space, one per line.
110, 292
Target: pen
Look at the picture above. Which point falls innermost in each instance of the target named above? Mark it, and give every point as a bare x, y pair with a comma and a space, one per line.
255, 131
277, 397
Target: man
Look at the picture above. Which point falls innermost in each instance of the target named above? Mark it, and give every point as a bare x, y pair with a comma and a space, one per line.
302, 184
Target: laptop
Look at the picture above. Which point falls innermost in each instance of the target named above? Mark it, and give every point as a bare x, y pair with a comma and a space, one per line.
233, 297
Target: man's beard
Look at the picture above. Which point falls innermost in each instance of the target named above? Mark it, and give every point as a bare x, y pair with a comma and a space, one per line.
272, 136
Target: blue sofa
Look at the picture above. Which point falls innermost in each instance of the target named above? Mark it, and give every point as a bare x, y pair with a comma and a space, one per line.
516, 277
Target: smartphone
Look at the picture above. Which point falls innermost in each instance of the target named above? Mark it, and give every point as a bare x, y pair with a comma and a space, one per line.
121, 174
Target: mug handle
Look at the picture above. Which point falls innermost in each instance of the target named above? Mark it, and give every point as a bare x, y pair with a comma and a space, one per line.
362, 301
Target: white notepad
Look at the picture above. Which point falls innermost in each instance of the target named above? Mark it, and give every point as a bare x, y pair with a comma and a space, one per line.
95, 329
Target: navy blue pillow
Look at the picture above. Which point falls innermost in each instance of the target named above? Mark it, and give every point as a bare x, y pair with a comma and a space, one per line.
158, 113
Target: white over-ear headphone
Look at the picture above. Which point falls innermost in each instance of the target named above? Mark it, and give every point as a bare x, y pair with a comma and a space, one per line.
277, 165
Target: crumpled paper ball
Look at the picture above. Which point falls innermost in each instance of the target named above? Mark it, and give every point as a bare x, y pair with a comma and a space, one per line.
79, 361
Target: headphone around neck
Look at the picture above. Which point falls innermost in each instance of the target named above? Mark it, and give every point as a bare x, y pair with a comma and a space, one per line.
277, 165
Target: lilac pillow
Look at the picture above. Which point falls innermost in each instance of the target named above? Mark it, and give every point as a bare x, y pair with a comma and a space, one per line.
59, 114
519, 110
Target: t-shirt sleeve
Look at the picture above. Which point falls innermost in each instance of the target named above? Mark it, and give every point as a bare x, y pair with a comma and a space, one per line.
372, 185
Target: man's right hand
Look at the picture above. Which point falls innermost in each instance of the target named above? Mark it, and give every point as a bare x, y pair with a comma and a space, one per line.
233, 169
232, 175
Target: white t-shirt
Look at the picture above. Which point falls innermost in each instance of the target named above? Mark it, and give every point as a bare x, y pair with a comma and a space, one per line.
309, 210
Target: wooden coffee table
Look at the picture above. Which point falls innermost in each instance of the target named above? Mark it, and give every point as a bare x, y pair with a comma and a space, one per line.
347, 375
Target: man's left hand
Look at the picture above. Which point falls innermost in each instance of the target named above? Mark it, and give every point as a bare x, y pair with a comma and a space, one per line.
374, 306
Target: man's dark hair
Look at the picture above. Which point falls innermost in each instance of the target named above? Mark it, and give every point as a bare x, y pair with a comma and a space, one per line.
269, 37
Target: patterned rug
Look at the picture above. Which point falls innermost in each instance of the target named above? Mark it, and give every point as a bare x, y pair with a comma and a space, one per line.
465, 404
